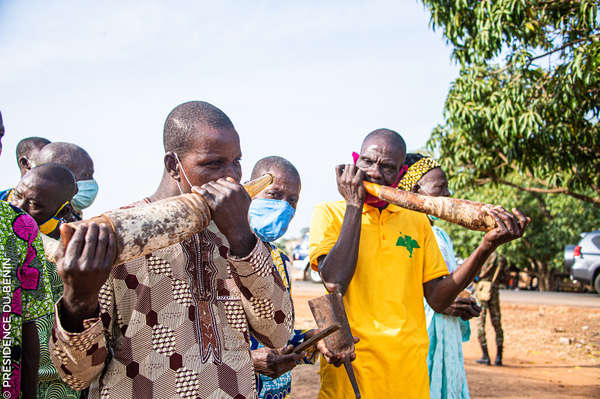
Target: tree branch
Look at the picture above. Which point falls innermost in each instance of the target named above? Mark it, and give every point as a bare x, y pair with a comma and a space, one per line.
537, 57
557, 190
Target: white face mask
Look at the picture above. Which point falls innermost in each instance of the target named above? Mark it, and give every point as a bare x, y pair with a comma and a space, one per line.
183, 172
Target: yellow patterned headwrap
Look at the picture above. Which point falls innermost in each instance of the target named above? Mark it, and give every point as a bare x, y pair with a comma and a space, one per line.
416, 171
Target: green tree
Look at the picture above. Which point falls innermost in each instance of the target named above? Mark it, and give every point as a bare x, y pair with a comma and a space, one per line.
556, 222
524, 111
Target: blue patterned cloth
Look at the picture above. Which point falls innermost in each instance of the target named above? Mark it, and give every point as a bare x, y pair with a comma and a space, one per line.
447, 377
4, 194
280, 388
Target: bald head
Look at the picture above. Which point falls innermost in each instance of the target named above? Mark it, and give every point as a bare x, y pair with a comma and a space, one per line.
286, 183
388, 137
43, 190
27, 151
381, 156
274, 163
58, 176
68, 155
186, 119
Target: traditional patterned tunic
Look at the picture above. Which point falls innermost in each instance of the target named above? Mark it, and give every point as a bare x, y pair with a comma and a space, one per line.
281, 387
176, 323
25, 291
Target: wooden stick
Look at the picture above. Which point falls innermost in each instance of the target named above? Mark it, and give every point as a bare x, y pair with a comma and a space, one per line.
469, 214
352, 377
319, 335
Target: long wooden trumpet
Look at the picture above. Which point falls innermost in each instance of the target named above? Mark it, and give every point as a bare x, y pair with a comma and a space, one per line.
469, 214
143, 229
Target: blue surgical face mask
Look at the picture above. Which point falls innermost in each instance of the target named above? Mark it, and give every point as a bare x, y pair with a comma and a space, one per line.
270, 218
86, 194
433, 218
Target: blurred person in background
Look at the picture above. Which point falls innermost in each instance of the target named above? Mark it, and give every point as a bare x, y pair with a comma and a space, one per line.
492, 272
27, 149
78, 161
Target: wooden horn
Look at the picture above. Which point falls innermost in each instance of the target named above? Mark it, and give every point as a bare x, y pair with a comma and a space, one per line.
469, 214
140, 230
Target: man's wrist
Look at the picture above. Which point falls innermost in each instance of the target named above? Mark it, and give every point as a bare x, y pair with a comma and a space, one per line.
487, 246
80, 306
241, 242
354, 206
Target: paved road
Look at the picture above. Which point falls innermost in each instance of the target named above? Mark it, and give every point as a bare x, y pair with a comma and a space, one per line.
551, 298
524, 297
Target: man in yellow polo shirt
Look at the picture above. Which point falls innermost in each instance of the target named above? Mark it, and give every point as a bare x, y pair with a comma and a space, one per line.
384, 259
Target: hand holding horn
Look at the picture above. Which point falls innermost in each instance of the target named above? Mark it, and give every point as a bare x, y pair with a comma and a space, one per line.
470, 214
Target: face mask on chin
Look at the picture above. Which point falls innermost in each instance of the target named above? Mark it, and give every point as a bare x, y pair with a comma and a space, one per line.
87, 190
270, 218
371, 199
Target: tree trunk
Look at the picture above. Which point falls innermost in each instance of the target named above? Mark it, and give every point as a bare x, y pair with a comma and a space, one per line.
544, 276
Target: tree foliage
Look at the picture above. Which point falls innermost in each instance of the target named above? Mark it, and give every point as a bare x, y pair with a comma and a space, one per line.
524, 110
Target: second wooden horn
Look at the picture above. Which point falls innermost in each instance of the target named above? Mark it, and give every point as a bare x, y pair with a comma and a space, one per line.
143, 229
469, 214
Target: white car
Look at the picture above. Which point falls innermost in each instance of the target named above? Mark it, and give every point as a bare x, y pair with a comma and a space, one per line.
303, 265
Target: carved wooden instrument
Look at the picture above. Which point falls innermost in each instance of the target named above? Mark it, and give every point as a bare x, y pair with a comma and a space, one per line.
143, 229
470, 214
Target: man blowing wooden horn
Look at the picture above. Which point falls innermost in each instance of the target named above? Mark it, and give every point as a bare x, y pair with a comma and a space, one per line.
384, 259
175, 323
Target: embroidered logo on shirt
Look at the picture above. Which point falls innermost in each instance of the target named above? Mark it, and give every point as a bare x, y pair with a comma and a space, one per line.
409, 243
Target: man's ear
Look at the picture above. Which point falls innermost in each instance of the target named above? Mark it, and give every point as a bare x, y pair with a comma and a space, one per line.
172, 166
24, 163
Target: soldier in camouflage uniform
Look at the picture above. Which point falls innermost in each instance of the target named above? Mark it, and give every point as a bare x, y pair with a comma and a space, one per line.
493, 306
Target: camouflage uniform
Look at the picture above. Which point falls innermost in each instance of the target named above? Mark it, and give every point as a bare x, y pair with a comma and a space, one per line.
493, 305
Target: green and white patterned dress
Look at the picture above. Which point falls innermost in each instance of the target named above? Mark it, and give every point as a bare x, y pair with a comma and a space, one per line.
25, 289
50, 384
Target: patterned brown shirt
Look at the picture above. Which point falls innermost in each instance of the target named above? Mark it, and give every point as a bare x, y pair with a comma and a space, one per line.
174, 324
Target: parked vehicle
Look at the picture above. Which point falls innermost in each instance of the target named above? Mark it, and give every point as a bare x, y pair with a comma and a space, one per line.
582, 261
300, 261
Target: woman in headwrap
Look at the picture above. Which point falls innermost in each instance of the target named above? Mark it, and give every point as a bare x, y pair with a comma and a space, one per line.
447, 331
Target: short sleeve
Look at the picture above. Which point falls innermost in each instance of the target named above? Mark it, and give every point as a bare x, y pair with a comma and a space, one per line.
36, 294
324, 233
434, 265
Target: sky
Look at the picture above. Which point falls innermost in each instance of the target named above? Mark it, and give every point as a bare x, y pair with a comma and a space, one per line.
303, 80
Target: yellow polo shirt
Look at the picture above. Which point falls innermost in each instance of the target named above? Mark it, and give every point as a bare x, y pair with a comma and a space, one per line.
384, 301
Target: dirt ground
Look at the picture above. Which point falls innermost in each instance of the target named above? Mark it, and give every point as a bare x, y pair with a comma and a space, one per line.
550, 352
